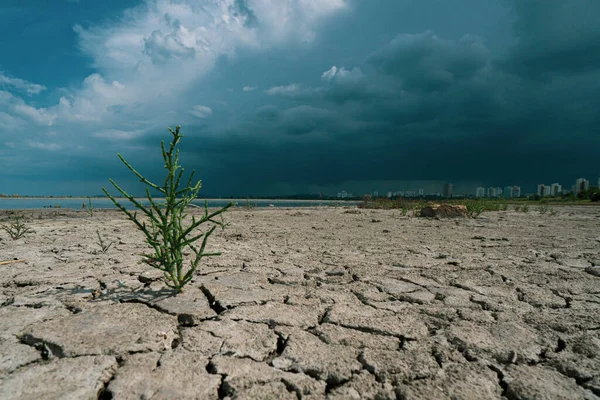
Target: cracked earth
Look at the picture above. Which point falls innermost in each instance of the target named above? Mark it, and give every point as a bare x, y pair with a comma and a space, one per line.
308, 303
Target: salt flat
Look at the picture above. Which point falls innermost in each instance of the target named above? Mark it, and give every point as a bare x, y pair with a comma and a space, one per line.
307, 303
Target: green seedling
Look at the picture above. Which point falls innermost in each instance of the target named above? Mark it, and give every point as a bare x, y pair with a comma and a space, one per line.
404, 210
103, 245
17, 228
475, 208
90, 208
164, 228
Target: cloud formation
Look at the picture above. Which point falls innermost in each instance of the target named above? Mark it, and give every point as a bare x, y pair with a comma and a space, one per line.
426, 101
20, 84
201, 111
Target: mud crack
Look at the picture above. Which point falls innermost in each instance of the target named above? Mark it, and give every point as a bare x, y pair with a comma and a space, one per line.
212, 301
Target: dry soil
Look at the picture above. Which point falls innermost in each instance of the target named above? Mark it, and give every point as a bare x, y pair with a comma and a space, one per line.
309, 303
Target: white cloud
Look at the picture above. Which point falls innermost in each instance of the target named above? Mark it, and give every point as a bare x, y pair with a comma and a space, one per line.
43, 146
116, 134
342, 75
30, 88
158, 51
14, 107
295, 91
328, 75
41, 116
201, 111
249, 88
279, 90
149, 59
160, 47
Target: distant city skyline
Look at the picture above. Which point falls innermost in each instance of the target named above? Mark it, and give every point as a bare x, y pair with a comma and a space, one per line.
436, 188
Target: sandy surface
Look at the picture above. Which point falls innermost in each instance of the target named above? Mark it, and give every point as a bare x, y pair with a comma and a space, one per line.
308, 303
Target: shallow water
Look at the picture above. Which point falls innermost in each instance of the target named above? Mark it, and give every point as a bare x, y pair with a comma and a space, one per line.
77, 203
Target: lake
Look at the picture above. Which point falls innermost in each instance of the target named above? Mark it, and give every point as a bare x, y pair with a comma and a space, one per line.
9, 203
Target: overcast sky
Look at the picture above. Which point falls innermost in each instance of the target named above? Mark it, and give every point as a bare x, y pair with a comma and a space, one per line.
297, 96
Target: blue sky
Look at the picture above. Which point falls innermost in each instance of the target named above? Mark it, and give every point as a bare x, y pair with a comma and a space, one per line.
298, 96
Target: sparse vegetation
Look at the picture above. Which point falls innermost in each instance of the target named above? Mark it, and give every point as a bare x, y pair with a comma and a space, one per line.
224, 224
404, 210
475, 208
383, 203
103, 245
543, 208
525, 208
249, 205
17, 228
90, 208
164, 229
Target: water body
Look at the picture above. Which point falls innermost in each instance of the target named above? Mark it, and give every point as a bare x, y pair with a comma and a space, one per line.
76, 203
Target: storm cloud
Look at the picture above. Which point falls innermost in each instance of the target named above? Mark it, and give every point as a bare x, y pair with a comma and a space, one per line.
334, 98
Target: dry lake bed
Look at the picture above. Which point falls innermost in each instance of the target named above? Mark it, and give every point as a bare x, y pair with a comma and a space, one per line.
307, 303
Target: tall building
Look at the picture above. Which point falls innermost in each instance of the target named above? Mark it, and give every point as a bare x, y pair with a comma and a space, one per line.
480, 192
546, 190
543, 190
507, 192
581, 184
448, 190
421, 192
516, 191
555, 189
540, 189
491, 192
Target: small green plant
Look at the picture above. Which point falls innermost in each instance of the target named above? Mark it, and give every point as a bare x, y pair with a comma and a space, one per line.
103, 245
543, 208
517, 208
166, 233
248, 205
404, 210
504, 206
525, 208
416, 209
475, 208
17, 228
224, 224
90, 208
552, 212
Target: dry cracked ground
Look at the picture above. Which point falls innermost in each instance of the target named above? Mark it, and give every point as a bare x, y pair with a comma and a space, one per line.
310, 303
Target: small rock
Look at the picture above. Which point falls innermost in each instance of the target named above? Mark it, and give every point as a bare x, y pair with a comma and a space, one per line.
335, 272
595, 270
444, 211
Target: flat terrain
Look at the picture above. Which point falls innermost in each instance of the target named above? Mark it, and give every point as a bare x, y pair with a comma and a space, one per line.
307, 303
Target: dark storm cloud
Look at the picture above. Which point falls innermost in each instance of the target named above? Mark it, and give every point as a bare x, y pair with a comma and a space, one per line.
427, 62
555, 37
426, 107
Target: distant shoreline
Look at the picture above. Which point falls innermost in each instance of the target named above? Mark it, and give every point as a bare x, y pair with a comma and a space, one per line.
162, 198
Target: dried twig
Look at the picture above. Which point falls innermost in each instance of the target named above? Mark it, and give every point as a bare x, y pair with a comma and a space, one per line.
10, 262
